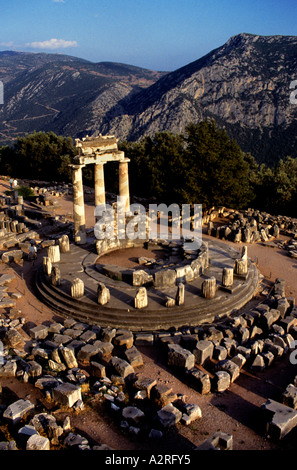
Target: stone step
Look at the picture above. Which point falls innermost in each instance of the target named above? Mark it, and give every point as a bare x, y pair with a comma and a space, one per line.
141, 320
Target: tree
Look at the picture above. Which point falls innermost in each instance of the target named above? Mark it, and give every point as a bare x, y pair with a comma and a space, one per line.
40, 155
216, 171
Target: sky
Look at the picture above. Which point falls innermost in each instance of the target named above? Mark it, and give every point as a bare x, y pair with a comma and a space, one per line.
154, 34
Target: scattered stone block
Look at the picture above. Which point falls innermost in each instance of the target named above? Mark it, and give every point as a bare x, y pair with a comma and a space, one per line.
134, 357
218, 441
146, 384
97, 369
87, 352
200, 380
122, 367
8, 369
221, 381
203, 351
191, 413
66, 394
180, 357
239, 359
144, 339
289, 397
169, 416
37, 442
17, 410
231, 367
280, 419
39, 332
69, 357
258, 363
13, 338
133, 414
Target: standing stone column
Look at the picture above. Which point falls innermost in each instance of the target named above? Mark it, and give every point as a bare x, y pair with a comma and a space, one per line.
78, 205
124, 184
227, 277
99, 184
209, 287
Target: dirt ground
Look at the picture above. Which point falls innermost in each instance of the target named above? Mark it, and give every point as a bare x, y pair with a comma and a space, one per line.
236, 411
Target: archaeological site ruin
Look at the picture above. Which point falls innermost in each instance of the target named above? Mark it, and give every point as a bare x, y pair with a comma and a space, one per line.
140, 323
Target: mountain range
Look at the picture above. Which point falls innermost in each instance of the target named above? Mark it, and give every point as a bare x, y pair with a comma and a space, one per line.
244, 85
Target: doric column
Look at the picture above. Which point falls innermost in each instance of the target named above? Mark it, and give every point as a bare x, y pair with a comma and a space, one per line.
99, 184
78, 205
124, 184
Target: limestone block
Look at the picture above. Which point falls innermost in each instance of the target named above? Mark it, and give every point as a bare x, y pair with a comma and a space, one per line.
203, 351
169, 302
180, 357
125, 339
169, 415
103, 294
77, 288
200, 380
13, 338
17, 410
289, 397
47, 265
231, 367
8, 369
133, 414
146, 384
35, 369
221, 381
53, 253
209, 287
280, 419
241, 267
258, 363
141, 277
37, 442
64, 244
227, 277
239, 359
69, 357
141, 299
97, 369
86, 352
55, 276
66, 394
191, 413
165, 278
122, 367
180, 294
39, 332
218, 441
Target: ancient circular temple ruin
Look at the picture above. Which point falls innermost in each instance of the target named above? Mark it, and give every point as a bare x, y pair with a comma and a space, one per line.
173, 286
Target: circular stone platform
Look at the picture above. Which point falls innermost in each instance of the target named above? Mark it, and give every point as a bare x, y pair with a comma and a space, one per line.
120, 311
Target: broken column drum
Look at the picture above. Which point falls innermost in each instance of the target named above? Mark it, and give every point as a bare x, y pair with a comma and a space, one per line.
209, 287
227, 277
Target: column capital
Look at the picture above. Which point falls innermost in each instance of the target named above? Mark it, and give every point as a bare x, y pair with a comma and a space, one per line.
76, 166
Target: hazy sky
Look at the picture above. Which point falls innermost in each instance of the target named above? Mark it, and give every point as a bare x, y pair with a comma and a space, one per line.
155, 34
